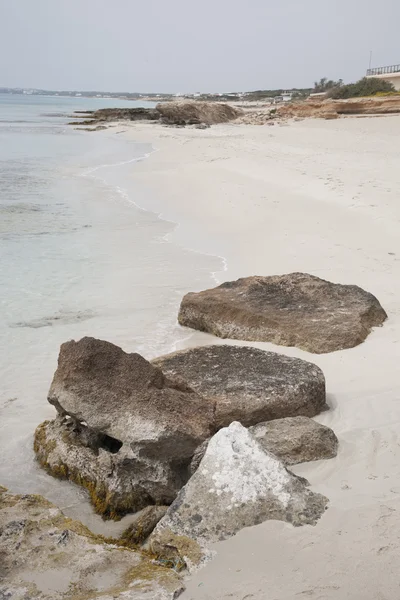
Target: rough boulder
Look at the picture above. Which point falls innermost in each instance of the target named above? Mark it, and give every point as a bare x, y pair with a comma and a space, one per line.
290, 310
46, 556
194, 112
238, 484
124, 430
247, 384
293, 440
296, 439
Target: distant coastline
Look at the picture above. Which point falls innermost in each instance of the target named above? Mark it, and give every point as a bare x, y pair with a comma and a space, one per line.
160, 96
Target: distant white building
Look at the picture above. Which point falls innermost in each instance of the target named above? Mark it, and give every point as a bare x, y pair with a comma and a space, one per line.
390, 74
284, 97
317, 96
287, 96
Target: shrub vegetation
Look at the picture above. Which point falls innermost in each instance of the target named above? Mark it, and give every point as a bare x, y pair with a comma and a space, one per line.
364, 87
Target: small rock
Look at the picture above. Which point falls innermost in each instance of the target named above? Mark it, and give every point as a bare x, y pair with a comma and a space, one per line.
296, 439
293, 440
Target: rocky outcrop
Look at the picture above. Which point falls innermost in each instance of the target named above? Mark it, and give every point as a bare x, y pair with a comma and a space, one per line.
180, 113
238, 484
107, 115
195, 112
124, 430
329, 108
247, 384
47, 556
291, 310
296, 439
293, 440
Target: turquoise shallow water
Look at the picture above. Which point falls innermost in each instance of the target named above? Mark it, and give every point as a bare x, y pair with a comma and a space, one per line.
77, 257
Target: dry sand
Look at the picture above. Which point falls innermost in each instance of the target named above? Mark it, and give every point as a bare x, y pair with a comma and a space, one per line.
321, 197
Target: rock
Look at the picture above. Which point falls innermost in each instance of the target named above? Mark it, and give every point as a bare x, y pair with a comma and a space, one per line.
290, 310
293, 440
124, 431
126, 114
107, 115
296, 439
187, 112
198, 457
327, 108
238, 484
247, 384
176, 549
177, 113
143, 525
45, 555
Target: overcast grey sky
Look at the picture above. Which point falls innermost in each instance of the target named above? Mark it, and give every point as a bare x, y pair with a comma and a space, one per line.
192, 45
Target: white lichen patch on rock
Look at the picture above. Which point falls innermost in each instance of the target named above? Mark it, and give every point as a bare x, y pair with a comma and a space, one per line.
232, 452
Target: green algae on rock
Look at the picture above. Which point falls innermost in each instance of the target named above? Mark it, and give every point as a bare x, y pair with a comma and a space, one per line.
46, 556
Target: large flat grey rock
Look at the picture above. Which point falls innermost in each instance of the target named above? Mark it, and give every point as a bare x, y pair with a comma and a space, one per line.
247, 384
296, 309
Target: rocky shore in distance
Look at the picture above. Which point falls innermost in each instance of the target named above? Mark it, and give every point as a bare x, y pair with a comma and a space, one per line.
200, 114
178, 114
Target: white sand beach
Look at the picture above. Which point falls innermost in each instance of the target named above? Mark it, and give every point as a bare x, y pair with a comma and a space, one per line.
321, 197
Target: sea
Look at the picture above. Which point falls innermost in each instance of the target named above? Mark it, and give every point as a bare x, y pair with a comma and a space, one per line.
79, 256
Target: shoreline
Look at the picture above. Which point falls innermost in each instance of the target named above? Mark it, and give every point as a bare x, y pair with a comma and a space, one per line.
126, 194
317, 197
104, 228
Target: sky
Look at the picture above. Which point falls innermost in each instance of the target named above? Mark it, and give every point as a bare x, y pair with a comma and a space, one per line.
192, 45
